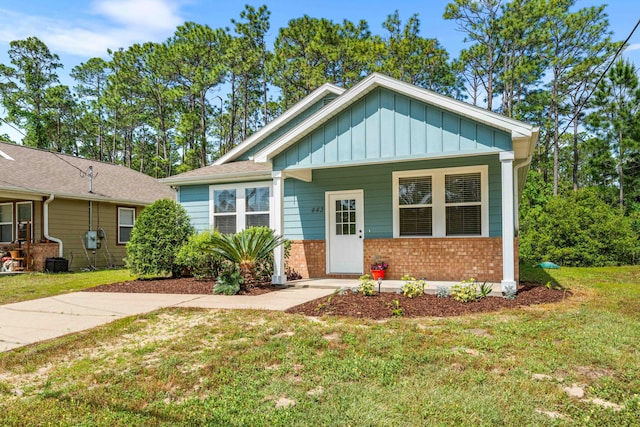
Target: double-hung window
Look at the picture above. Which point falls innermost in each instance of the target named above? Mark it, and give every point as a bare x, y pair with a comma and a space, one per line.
235, 207
441, 202
126, 219
6, 222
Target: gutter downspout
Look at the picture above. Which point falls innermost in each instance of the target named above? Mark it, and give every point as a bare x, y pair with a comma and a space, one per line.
45, 220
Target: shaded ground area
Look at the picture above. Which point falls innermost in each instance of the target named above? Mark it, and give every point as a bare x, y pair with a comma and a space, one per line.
183, 285
384, 305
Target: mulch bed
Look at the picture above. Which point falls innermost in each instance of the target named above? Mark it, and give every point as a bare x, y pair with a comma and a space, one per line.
381, 306
182, 285
378, 306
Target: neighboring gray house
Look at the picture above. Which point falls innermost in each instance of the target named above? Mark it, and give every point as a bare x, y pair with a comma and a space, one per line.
386, 169
61, 198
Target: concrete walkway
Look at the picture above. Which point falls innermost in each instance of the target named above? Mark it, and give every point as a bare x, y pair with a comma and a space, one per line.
28, 322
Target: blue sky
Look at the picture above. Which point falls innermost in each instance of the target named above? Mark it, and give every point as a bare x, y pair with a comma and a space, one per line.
80, 29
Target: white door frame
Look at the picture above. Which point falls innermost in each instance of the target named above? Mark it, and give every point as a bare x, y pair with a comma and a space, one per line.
329, 209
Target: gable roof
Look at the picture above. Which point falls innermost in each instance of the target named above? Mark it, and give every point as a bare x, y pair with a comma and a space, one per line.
228, 172
275, 124
30, 171
523, 135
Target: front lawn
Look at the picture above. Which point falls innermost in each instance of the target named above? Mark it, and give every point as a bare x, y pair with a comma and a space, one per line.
28, 286
237, 368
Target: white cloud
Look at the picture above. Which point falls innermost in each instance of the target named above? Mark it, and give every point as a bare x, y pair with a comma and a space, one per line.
107, 24
633, 46
150, 14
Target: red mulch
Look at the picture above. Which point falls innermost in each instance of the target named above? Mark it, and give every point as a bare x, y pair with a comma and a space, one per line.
381, 306
183, 285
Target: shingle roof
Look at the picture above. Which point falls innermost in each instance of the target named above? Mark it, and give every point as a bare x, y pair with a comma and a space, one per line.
30, 170
246, 168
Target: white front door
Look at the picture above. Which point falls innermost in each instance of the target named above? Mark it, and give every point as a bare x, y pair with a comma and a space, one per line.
345, 232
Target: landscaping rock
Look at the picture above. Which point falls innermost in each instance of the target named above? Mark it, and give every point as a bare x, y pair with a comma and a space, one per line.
574, 391
283, 402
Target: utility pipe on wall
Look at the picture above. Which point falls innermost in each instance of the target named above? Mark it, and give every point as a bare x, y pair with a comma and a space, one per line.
45, 214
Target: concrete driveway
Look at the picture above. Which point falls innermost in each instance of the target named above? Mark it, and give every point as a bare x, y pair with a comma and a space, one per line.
28, 322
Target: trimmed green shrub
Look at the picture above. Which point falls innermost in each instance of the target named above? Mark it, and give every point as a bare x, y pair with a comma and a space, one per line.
194, 259
157, 235
578, 229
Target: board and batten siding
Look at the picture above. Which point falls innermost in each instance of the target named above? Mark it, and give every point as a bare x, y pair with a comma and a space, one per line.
385, 125
286, 127
304, 202
69, 221
195, 199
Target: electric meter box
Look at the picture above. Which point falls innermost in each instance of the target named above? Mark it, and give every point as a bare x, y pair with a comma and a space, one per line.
91, 240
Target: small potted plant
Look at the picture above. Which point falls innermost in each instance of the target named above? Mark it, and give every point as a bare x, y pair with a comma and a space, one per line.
378, 268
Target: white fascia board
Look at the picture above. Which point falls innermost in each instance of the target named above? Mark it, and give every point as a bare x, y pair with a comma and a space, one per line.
515, 128
217, 179
300, 106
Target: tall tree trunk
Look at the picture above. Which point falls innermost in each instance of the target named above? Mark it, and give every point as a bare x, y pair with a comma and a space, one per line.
556, 136
232, 115
620, 173
203, 130
576, 154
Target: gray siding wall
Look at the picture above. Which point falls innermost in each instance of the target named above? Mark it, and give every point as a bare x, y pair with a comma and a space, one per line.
390, 126
195, 199
304, 202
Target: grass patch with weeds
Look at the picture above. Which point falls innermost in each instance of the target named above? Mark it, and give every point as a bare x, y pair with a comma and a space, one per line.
28, 286
225, 367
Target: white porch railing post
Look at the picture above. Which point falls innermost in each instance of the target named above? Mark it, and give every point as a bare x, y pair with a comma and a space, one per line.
277, 223
508, 224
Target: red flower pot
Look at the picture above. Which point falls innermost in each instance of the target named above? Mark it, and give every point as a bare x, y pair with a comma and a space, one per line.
377, 274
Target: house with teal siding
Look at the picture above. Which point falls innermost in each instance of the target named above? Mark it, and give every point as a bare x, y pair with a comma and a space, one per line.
384, 170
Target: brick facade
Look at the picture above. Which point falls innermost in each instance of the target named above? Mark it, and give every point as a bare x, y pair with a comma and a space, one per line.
39, 254
433, 258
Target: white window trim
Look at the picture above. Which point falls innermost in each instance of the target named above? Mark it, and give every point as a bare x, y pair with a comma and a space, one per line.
240, 213
17, 219
438, 205
9, 222
120, 209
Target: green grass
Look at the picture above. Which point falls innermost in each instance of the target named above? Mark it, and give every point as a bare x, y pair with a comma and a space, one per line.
30, 286
209, 367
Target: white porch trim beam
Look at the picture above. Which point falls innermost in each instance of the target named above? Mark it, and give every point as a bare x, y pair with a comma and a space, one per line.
508, 224
277, 224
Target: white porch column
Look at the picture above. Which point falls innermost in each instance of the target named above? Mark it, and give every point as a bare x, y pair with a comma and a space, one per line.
508, 257
277, 223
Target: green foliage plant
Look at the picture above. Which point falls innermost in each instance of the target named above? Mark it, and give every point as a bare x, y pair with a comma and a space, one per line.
510, 292
443, 291
396, 310
412, 288
465, 291
193, 257
485, 289
366, 285
246, 249
578, 229
229, 282
158, 233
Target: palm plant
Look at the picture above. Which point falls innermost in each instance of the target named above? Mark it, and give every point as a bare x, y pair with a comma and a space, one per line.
246, 249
